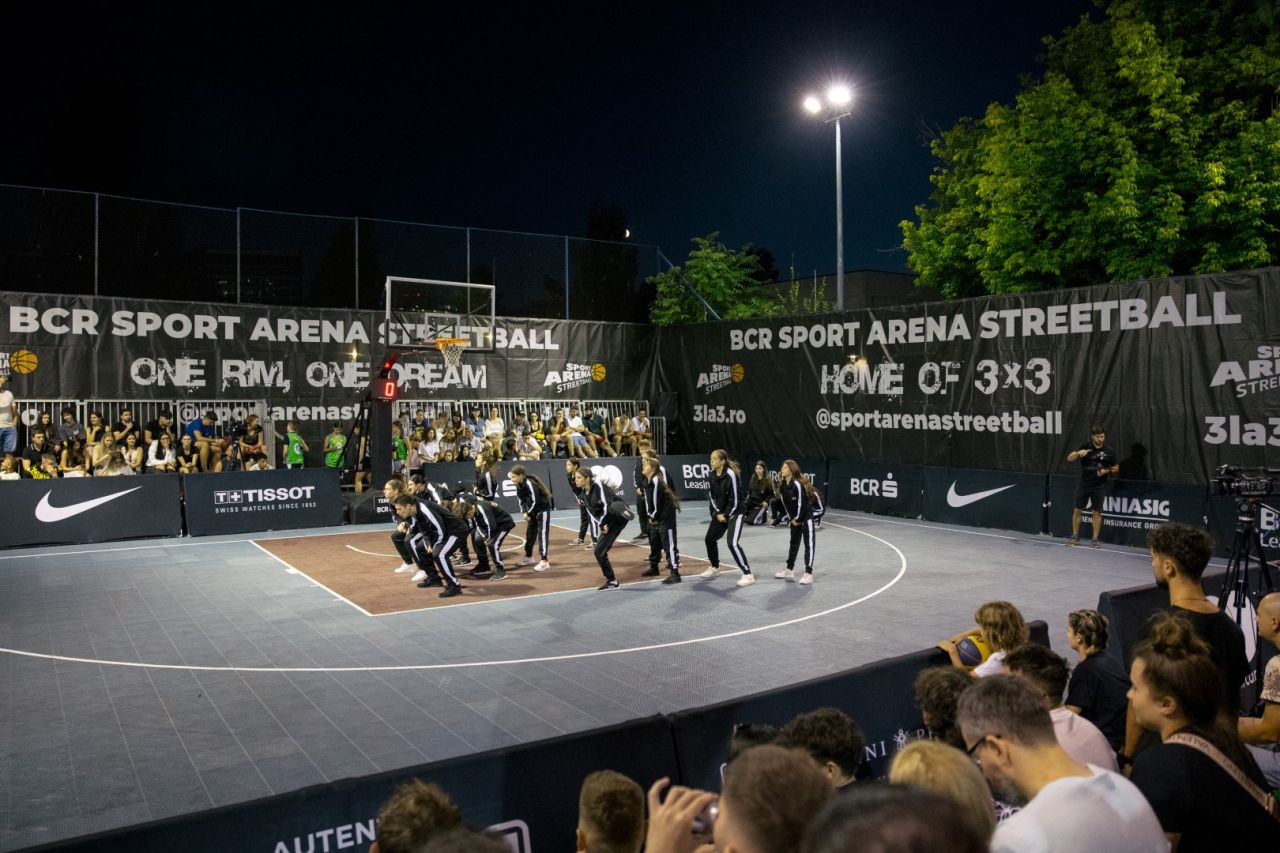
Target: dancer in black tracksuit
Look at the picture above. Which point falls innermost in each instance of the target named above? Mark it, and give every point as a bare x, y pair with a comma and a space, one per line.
661, 504
491, 524
761, 494
727, 501
439, 493
434, 535
638, 480
391, 490
797, 495
570, 471
535, 504
487, 475
608, 515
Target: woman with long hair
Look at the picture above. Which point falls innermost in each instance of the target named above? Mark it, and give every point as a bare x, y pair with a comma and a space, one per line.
161, 456
535, 504
487, 475
796, 494
74, 463
187, 456
133, 455
558, 434
1200, 779
661, 504
608, 516
93, 433
570, 472
760, 494
102, 452
727, 499
1001, 626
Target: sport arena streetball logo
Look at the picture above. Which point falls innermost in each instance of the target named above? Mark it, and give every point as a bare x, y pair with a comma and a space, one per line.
574, 375
21, 361
719, 376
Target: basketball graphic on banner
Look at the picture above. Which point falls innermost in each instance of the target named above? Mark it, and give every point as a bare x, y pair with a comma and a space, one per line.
23, 361
737, 372
597, 372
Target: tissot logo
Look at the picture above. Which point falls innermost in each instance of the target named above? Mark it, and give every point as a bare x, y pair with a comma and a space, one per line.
237, 497
957, 500
48, 513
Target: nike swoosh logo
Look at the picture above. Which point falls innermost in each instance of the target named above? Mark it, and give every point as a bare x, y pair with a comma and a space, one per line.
47, 512
958, 500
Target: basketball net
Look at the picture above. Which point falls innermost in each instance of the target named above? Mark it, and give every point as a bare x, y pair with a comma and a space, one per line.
451, 350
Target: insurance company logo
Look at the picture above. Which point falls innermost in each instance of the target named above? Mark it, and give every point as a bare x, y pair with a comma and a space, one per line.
957, 500
1252, 375
719, 376
1134, 512
575, 375
18, 361
49, 514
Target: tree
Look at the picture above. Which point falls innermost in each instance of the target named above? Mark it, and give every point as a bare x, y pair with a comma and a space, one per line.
1151, 147
725, 278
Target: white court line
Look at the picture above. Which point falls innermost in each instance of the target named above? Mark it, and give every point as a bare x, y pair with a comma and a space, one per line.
299, 533
371, 554
295, 570
902, 570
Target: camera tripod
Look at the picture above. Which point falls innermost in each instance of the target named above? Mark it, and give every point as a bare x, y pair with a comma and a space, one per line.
1248, 540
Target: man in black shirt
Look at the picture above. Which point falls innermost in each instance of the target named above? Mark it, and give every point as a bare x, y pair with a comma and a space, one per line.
1097, 460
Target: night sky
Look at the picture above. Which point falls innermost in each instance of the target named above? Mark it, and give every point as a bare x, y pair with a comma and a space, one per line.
519, 117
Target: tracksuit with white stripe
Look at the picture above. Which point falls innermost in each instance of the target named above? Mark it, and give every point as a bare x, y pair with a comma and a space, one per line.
661, 512
798, 508
435, 529
727, 499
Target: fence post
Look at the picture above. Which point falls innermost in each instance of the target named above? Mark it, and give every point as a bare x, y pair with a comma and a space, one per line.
566, 278
97, 224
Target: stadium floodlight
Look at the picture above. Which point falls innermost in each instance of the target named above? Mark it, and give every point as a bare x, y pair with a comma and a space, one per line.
838, 105
839, 95
813, 105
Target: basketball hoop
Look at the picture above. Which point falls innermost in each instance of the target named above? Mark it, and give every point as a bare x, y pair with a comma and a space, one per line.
451, 349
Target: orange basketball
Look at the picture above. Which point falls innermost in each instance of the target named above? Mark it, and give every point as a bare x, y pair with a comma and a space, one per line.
597, 371
736, 373
23, 361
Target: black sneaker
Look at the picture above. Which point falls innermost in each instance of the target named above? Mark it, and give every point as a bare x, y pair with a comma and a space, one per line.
640, 535
671, 578
650, 572
464, 561
450, 591
500, 574
774, 523
430, 582
479, 574
607, 585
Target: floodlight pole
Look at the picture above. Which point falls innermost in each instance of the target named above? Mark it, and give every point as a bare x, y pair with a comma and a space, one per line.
839, 224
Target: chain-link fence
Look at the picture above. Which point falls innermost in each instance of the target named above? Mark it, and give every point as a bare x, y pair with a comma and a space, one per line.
57, 241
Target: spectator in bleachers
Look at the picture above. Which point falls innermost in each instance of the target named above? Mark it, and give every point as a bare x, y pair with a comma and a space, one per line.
1179, 555
494, 425
46, 425
1262, 734
1200, 779
640, 430
116, 466
519, 426
1002, 626
1070, 806
558, 436
598, 432
473, 421
621, 434
1047, 672
892, 819
1098, 683
527, 447
47, 469
832, 739
102, 453
33, 451
335, 445
186, 456
430, 449
537, 429
419, 421
415, 813
9, 467
163, 423
946, 770
253, 452
162, 456
295, 449
416, 439
207, 445
133, 454
770, 795
579, 445
8, 418
610, 814
123, 426
93, 432
937, 691
74, 463
465, 840
69, 428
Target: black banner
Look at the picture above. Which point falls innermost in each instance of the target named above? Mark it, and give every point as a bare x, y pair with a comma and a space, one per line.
1129, 509
249, 501
1227, 523
78, 510
1183, 373
884, 489
1006, 500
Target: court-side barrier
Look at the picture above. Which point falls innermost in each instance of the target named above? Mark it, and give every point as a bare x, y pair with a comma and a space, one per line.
80, 510
1130, 508
250, 501
529, 794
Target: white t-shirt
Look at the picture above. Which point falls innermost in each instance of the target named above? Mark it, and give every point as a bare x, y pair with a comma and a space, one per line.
6, 409
993, 665
1104, 813
1082, 740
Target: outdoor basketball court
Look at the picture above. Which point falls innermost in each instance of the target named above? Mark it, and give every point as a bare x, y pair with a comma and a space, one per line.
143, 680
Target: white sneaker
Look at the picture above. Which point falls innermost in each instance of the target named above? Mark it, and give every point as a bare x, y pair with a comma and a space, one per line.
407, 567
709, 572
806, 579
420, 575
746, 580
785, 574
525, 561
543, 566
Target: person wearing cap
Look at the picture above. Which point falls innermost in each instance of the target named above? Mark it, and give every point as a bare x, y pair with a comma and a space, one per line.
474, 422
207, 444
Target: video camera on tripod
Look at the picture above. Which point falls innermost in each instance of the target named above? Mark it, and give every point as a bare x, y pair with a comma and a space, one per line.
1235, 481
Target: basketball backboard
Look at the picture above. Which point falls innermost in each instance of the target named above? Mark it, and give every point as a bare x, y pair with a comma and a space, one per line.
419, 311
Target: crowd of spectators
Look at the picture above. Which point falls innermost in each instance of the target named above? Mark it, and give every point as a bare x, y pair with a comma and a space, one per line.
1020, 752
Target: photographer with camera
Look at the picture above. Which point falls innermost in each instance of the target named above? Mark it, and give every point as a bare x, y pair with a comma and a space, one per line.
1097, 461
